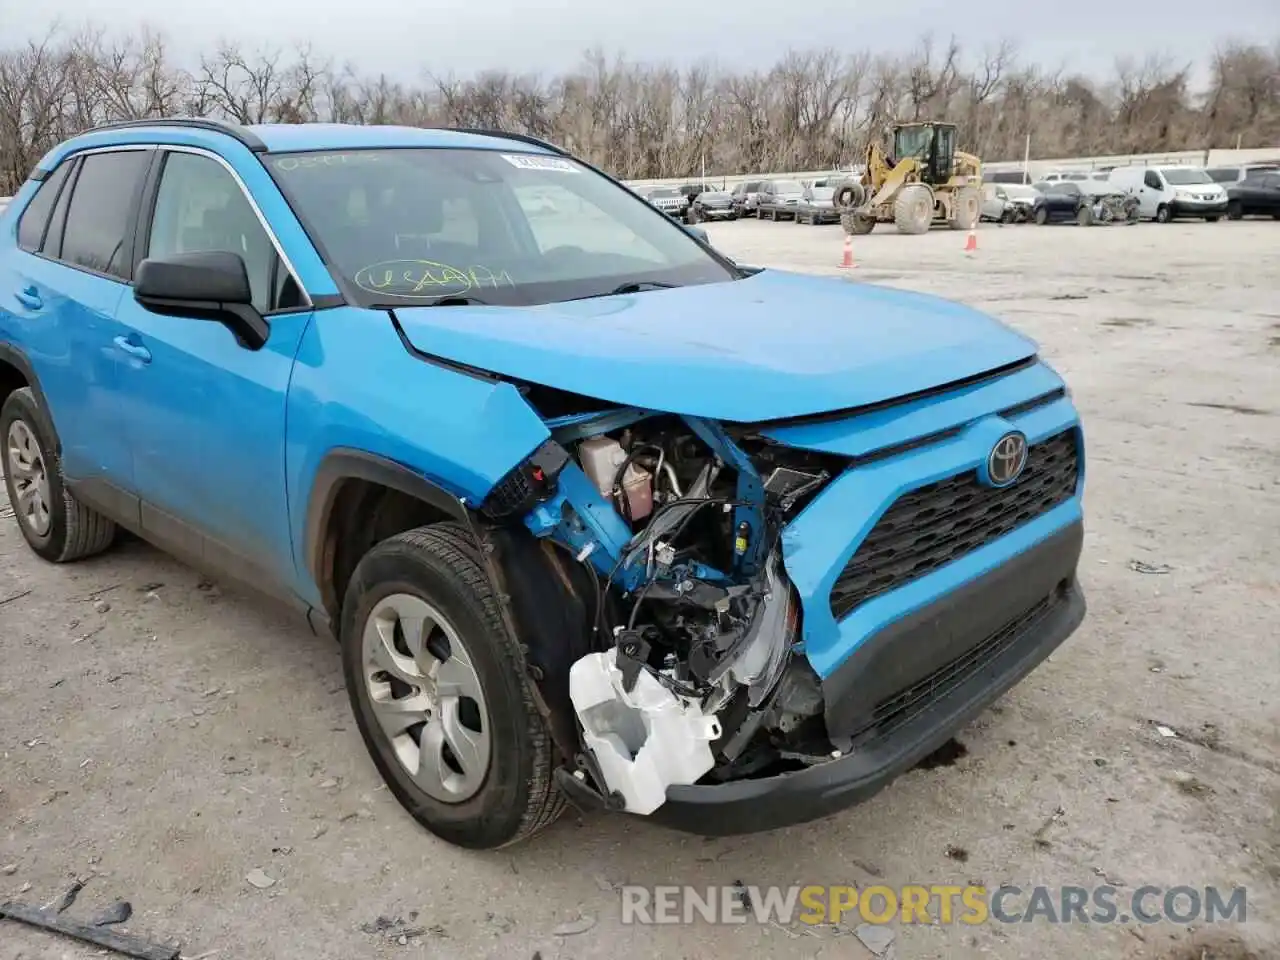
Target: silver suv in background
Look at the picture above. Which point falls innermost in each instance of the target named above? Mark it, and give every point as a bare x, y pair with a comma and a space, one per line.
1233, 174
670, 200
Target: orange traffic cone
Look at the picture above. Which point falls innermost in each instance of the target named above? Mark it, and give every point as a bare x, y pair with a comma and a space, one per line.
971, 243
846, 263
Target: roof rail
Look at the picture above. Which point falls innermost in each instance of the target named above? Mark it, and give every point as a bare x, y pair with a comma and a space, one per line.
522, 137
235, 130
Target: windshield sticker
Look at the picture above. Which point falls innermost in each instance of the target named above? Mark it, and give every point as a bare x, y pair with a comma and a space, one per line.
529, 161
311, 161
428, 279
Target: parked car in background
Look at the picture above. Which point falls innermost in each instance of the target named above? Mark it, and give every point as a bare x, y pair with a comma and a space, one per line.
1085, 202
1256, 195
711, 204
669, 200
745, 196
778, 199
1234, 174
817, 206
1008, 202
1167, 193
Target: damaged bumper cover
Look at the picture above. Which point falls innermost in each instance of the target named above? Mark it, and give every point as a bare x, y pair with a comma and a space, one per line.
1040, 583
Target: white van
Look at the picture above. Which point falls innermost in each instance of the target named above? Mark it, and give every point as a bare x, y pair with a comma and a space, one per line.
1166, 193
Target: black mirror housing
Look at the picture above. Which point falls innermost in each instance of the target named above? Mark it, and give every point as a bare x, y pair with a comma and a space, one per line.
210, 285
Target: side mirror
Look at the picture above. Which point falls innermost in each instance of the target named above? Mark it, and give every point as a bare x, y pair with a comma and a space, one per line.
698, 234
212, 285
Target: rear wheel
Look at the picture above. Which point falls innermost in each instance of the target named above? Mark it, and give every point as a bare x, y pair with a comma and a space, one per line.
440, 691
56, 525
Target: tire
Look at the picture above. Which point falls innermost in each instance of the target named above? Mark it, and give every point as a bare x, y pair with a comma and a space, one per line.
1212, 218
1042, 216
1235, 210
1006, 217
965, 204
849, 194
692, 216
1084, 216
65, 529
1163, 214
437, 572
913, 209
856, 225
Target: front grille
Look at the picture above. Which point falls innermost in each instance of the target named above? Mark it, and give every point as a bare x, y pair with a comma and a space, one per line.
933, 525
893, 712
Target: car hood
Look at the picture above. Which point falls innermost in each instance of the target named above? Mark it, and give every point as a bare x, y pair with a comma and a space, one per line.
770, 346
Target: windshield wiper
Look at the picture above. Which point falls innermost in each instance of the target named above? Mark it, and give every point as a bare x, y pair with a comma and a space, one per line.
639, 286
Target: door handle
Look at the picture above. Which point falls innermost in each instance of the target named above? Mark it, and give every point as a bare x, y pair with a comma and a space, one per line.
135, 350
29, 298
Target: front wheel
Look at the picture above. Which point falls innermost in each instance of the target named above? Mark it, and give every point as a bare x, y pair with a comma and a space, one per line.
1163, 214
440, 693
1235, 210
1042, 216
1084, 216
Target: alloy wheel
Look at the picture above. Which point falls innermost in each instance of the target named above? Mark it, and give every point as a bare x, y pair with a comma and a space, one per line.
30, 478
426, 696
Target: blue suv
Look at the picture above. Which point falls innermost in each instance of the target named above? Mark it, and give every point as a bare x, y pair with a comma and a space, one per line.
596, 513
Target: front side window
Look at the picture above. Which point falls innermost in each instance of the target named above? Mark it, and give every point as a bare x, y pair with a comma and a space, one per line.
31, 228
413, 225
101, 207
201, 208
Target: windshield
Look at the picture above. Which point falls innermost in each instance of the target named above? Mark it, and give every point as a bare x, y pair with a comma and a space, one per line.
787, 186
1182, 176
415, 226
913, 142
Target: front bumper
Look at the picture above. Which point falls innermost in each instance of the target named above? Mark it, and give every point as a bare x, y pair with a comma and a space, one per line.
1197, 208
999, 626
717, 213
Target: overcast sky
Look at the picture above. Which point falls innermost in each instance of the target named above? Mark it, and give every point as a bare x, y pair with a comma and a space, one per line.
404, 38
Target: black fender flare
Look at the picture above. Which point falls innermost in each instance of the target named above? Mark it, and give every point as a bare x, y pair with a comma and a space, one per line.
344, 463
18, 360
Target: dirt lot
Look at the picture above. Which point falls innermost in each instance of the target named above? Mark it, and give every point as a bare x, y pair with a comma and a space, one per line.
164, 736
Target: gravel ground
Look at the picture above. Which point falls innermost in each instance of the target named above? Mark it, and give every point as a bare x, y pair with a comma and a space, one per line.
165, 736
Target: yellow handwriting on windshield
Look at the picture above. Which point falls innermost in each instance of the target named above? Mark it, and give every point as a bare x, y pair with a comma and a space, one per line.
427, 279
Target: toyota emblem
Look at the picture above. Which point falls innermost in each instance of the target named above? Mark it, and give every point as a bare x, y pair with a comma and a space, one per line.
1007, 459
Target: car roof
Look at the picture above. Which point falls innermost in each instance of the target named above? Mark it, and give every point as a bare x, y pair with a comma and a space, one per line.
287, 137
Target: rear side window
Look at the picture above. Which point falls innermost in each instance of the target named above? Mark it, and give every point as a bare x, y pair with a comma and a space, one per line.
36, 217
101, 209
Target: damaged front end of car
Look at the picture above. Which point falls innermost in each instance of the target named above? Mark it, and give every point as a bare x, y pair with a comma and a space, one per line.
639, 558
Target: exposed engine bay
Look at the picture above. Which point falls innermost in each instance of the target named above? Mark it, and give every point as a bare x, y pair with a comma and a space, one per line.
691, 675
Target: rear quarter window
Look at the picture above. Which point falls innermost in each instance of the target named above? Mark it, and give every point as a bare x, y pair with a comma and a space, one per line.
35, 218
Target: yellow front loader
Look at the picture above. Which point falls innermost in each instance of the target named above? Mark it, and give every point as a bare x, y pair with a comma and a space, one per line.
923, 179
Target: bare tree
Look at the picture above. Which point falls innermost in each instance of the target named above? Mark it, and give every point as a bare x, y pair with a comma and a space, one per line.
814, 109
